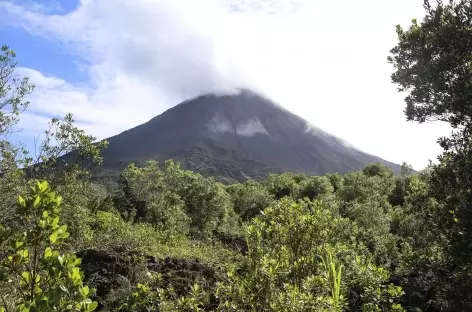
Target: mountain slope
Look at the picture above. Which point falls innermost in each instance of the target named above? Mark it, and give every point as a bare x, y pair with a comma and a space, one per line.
234, 137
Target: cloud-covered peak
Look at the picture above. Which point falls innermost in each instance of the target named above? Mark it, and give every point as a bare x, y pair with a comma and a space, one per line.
323, 60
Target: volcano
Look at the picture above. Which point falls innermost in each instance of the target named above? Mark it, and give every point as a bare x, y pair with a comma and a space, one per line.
233, 138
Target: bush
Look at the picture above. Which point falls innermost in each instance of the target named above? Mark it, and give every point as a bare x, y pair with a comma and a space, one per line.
34, 275
249, 199
282, 185
303, 258
176, 200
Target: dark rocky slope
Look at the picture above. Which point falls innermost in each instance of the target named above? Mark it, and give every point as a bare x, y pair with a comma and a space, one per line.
234, 137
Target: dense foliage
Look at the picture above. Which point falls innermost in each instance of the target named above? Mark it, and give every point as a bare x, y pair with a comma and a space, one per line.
162, 238
432, 62
34, 275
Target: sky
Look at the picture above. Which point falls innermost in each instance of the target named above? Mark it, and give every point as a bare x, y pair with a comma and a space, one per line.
116, 64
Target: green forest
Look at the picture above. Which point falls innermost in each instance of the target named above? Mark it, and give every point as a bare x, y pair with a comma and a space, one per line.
161, 238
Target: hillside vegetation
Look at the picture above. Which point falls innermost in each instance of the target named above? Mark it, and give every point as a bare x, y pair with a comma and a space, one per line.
166, 239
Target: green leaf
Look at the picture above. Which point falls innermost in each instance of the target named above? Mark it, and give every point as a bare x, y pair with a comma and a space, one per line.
26, 277
63, 229
23, 253
58, 200
43, 186
55, 222
36, 202
84, 291
23, 308
48, 252
92, 306
21, 201
53, 237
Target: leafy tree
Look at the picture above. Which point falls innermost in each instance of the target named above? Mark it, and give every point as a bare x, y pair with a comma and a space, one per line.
303, 258
418, 220
249, 198
406, 170
358, 186
65, 153
336, 180
12, 92
126, 202
373, 216
378, 169
34, 275
432, 63
179, 199
364, 199
64, 158
397, 197
163, 207
282, 185
206, 201
315, 186
12, 184
320, 188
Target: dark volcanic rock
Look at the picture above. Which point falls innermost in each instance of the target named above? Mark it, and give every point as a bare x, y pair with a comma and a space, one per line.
234, 137
183, 273
234, 243
106, 271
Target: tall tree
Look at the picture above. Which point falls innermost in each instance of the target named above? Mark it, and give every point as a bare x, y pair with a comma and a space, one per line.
433, 63
13, 90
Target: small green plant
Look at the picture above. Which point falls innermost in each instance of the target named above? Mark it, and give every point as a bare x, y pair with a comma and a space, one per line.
333, 271
34, 275
142, 298
150, 297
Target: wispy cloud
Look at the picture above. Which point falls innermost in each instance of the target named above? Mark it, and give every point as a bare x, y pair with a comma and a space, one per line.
324, 60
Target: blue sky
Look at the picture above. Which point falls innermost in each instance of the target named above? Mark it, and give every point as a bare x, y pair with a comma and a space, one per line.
46, 56
115, 64
36, 52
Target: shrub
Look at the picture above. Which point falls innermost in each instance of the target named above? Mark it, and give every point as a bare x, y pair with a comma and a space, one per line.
34, 275
249, 199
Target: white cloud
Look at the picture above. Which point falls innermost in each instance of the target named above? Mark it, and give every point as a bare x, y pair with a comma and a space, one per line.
324, 60
104, 111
